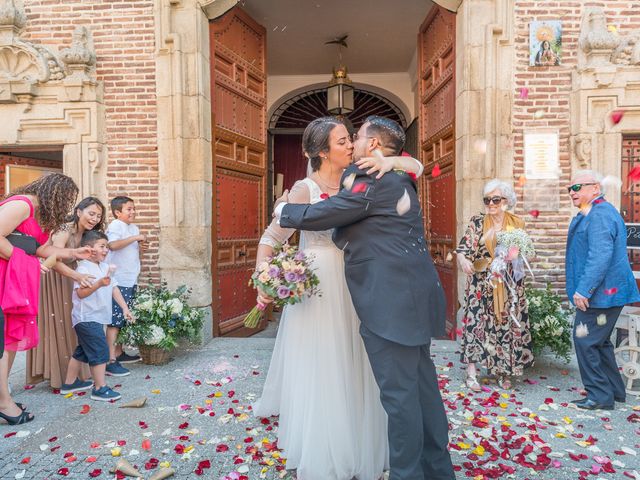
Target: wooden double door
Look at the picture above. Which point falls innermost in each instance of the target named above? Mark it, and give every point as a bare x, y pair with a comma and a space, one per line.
238, 89
436, 53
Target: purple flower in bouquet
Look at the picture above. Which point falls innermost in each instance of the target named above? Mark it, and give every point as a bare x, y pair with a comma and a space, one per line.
300, 256
274, 271
283, 292
290, 277
301, 277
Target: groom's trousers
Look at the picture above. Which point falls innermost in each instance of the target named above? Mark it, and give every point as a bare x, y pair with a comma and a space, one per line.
418, 427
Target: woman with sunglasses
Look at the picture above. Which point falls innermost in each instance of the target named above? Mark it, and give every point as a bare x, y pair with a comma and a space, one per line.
490, 337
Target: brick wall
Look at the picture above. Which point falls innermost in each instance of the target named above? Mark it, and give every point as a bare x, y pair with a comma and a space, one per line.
124, 38
549, 91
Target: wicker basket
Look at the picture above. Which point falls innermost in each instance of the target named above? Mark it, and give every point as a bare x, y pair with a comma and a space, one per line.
152, 355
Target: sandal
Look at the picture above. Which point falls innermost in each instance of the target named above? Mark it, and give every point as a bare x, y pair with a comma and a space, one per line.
472, 383
24, 417
20, 406
504, 382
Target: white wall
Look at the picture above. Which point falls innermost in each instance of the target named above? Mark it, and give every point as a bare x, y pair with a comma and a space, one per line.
396, 87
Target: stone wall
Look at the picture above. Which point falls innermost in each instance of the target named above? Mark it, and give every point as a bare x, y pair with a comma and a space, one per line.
124, 39
548, 104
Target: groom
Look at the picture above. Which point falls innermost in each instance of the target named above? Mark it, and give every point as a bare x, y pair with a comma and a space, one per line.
396, 293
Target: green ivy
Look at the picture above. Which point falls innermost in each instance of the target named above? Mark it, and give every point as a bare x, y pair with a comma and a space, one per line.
162, 317
549, 322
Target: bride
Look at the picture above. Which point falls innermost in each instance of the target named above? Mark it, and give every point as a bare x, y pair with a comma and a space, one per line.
332, 425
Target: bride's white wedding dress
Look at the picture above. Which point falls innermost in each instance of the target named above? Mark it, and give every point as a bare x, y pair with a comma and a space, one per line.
332, 425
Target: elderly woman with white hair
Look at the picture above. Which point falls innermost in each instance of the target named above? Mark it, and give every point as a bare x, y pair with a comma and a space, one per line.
490, 336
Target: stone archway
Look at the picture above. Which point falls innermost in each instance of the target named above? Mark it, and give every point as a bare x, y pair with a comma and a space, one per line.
53, 100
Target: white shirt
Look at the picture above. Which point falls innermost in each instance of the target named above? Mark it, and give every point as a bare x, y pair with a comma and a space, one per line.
97, 306
127, 259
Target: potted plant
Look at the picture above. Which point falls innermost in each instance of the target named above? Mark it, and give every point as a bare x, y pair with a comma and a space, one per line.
162, 317
549, 321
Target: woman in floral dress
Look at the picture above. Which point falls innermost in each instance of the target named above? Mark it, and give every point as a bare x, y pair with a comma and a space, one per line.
495, 330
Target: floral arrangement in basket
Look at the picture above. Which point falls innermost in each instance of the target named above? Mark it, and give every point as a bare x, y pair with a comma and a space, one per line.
286, 276
549, 321
162, 317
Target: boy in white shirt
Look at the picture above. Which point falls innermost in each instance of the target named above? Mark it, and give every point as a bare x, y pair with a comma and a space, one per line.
124, 242
91, 311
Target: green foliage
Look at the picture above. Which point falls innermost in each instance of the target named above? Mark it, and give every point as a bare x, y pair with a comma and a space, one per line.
550, 325
162, 317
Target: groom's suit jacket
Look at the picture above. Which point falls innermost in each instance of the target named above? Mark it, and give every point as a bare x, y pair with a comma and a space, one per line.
393, 284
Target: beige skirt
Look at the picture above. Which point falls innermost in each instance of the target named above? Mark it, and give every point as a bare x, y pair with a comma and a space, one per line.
49, 360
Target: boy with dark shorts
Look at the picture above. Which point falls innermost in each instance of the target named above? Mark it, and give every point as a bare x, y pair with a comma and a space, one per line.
125, 242
91, 311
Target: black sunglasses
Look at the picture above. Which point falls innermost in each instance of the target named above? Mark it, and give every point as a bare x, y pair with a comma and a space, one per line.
493, 200
578, 186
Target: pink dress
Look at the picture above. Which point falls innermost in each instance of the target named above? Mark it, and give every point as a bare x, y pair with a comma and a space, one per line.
19, 287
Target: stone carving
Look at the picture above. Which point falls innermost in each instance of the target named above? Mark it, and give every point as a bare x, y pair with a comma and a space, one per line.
11, 15
596, 42
582, 150
81, 51
628, 50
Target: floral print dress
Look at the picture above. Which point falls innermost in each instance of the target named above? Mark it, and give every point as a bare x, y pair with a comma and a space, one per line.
503, 347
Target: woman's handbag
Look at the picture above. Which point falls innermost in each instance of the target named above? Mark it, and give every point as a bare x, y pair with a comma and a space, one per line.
24, 242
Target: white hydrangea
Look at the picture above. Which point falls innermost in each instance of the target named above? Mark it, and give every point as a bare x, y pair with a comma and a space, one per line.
146, 305
175, 305
156, 335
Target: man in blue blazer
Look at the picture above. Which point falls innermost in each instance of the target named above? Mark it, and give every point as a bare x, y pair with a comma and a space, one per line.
599, 283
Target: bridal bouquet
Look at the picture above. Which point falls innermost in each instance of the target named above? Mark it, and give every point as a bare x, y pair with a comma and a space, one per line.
286, 276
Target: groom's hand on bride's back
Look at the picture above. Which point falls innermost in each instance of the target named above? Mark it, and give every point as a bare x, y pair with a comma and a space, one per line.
283, 199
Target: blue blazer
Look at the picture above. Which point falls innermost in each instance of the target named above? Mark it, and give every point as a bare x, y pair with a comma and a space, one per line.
596, 258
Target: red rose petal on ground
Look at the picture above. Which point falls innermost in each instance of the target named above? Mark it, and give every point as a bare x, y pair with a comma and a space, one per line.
204, 464
436, 171
184, 425
121, 443
146, 444
616, 116
85, 409
25, 460
95, 473
91, 459
64, 471
53, 439
29, 387
179, 449
10, 434
359, 187
95, 445
222, 448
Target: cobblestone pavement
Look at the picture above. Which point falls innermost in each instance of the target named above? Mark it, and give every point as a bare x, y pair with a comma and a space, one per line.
197, 414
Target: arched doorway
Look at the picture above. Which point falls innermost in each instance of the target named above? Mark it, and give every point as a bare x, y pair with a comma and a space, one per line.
288, 121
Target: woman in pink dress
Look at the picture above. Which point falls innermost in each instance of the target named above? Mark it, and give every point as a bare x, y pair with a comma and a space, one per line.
28, 216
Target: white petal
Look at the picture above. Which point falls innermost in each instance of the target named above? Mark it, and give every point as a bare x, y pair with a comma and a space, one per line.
348, 181
582, 330
601, 320
20, 474
404, 204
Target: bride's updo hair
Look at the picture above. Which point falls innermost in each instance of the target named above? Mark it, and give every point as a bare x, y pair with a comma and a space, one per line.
315, 139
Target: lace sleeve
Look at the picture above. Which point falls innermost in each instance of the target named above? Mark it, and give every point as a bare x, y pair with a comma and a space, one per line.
275, 234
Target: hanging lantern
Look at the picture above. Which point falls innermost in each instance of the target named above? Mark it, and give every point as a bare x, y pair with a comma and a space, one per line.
340, 92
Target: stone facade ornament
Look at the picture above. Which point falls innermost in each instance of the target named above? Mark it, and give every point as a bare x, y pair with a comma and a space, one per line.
628, 50
10, 15
582, 150
80, 56
596, 42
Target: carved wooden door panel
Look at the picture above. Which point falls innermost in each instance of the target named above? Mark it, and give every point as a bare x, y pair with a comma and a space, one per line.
436, 50
238, 91
630, 201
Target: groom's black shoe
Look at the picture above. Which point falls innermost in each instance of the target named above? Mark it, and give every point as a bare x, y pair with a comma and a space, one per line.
589, 404
620, 399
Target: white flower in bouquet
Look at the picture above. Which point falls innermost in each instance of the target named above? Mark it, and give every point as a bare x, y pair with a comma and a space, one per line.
175, 305
146, 305
516, 237
156, 335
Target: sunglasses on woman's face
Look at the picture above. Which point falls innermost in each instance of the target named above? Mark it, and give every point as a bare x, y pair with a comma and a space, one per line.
576, 187
493, 200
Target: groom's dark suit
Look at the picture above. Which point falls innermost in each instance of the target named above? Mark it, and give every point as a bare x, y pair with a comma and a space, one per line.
401, 306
